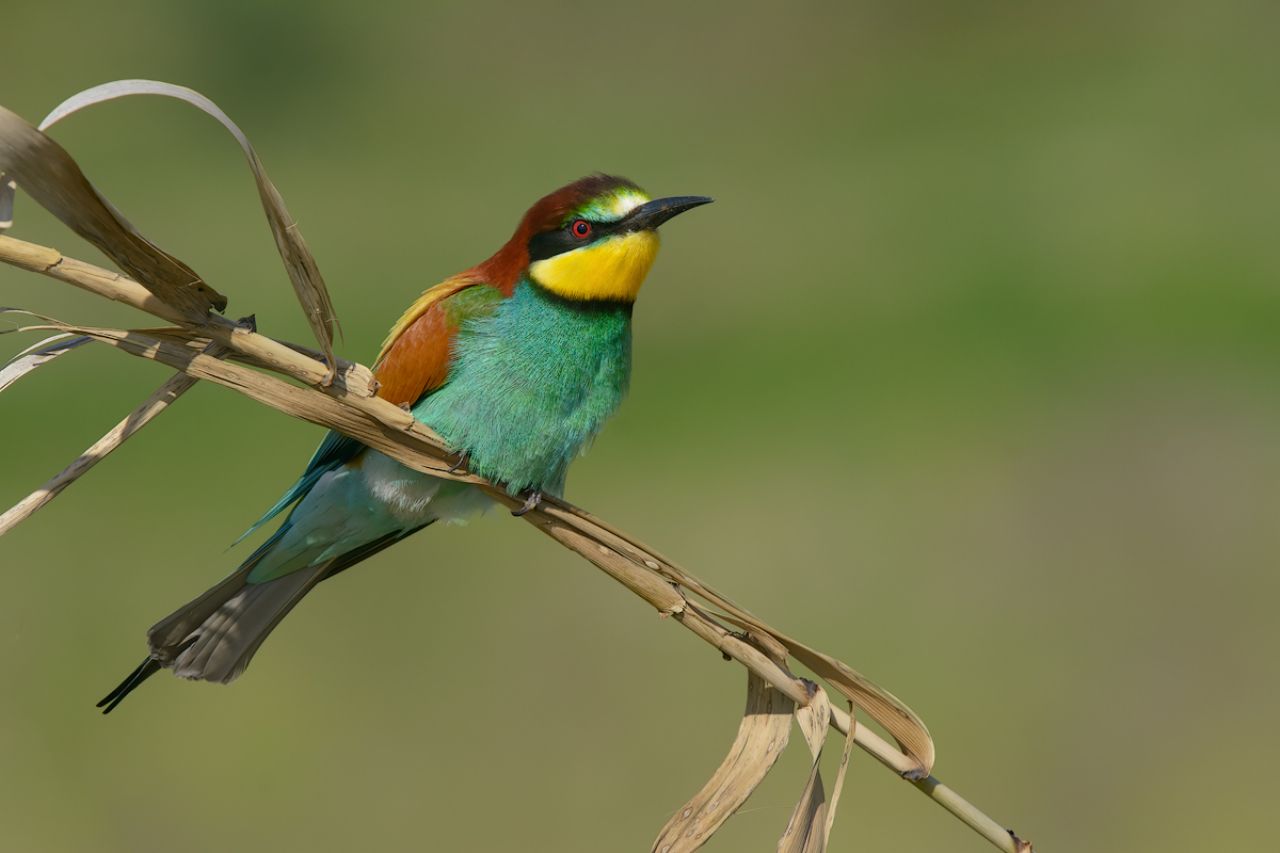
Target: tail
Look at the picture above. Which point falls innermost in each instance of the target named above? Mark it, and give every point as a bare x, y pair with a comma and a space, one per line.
214, 637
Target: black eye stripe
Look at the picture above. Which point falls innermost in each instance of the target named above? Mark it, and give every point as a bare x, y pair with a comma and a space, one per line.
548, 244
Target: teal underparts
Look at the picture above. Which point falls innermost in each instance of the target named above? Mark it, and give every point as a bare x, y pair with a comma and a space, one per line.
531, 384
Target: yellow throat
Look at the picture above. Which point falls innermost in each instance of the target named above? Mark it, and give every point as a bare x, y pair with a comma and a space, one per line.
612, 269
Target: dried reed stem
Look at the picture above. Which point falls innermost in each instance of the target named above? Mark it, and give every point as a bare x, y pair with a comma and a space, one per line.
348, 405
259, 349
172, 389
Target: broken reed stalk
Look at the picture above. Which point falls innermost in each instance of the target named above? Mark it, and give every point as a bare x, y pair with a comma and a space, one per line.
173, 388
350, 406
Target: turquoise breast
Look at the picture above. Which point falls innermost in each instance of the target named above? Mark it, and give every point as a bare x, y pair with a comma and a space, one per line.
531, 384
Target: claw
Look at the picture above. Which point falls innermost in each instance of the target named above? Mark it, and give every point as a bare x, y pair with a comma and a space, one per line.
530, 503
463, 458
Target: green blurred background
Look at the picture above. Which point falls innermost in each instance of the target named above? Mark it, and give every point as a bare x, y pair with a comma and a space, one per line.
968, 377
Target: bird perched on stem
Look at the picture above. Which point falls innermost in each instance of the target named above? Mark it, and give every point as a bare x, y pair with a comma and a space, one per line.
516, 362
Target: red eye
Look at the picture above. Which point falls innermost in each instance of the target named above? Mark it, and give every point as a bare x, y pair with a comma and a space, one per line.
581, 229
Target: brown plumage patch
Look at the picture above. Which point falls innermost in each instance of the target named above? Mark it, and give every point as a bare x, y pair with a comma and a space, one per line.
415, 357
418, 360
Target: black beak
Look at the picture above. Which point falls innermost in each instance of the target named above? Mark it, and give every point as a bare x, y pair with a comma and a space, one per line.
651, 214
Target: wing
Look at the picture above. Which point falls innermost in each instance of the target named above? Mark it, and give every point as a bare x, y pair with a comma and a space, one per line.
414, 361
336, 450
415, 357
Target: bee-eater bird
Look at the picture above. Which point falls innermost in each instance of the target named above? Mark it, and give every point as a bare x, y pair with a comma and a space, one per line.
516, 363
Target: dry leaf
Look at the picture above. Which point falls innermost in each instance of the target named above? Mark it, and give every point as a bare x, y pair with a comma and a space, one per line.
840, 774
807, 829
299, 263
53, 179
762, 735
6, 203
888, 710
898, 719
37, 354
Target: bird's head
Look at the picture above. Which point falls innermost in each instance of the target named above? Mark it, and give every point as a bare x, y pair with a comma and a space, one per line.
594, 239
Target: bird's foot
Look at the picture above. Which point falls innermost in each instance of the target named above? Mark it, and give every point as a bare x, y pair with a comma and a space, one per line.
530, 503
461, 462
